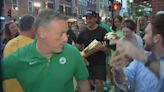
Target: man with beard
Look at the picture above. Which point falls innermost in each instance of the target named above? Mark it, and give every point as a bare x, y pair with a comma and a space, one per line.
146, 72
97, 61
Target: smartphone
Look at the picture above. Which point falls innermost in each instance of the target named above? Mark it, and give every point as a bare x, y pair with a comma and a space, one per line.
112, 46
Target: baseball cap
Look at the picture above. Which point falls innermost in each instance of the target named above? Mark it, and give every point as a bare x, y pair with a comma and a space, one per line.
90, 13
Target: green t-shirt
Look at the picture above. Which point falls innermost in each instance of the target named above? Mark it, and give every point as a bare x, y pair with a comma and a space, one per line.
119, 33
105, 26
37, 73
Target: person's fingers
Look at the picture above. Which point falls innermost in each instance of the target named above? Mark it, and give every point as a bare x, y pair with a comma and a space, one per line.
119, 65
86, 61
120, 42
119, 60
125, 58
116, 57
120, 45
104, 43
98, 45
126, 48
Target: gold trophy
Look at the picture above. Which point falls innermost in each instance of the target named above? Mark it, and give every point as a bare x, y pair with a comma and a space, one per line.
90, 49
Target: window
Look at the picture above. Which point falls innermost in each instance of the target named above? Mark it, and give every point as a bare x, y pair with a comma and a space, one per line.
30, 6
61, 9
68, 11
15, 4
50, 4
100, 6
68, 0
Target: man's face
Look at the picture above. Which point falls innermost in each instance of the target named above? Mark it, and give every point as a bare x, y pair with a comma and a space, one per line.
91, 21
149, 44
56, 35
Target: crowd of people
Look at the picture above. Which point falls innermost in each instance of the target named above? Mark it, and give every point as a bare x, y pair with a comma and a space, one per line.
43, 54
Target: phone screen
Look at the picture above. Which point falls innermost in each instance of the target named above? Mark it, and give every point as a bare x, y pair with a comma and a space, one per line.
112, 46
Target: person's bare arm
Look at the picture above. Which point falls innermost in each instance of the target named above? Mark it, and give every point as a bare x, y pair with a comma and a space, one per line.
84, 85
133, 52
79, 46
118, 63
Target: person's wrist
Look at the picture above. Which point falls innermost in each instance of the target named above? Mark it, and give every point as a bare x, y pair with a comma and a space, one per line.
144, 58
148, 61
151, 58
119, 75
114, 69
141, 56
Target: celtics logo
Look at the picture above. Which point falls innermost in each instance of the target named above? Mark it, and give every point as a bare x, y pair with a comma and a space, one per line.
62, 60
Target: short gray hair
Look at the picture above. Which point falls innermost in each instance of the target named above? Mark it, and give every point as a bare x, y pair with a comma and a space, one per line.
45, 16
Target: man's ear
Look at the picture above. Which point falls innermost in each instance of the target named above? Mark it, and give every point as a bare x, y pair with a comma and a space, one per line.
157, 38
42, 32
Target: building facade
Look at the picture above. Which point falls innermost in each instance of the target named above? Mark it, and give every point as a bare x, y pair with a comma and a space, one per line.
70, 8
155, 5
102, 7
84, 5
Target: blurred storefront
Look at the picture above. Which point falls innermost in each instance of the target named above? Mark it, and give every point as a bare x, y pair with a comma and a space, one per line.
156, 5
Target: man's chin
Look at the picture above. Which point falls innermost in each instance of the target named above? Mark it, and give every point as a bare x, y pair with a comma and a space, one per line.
147, 48
89, 26
57, 51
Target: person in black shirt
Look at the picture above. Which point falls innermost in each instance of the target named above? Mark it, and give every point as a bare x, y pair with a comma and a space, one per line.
97, 60
71, 37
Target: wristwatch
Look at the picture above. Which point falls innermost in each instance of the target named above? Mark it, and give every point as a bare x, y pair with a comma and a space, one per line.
151, 58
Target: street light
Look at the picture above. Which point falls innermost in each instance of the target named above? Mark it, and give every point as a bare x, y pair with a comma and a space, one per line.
131, 1
139, 10
16, 8
37, 5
